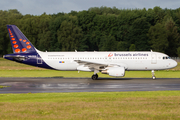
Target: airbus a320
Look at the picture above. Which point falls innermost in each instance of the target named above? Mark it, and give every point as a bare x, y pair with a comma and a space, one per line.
113, 63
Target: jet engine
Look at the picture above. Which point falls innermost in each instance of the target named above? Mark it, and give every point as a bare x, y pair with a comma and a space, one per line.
114, 71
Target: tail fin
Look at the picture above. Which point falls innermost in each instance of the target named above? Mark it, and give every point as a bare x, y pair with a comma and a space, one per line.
19, 42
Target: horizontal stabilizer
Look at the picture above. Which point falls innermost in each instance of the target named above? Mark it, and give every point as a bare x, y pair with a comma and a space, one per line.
15, 57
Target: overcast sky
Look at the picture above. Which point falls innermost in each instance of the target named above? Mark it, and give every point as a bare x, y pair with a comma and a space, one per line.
38, 7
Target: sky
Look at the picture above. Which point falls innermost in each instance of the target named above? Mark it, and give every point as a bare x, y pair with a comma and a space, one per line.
38, 7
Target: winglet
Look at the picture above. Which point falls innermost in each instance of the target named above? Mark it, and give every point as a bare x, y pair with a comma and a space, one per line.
19, 42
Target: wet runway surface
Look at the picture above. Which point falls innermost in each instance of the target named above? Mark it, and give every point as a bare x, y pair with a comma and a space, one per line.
47, 85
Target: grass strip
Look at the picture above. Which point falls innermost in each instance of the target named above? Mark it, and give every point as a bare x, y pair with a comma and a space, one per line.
54, 73
3, 86
156, 105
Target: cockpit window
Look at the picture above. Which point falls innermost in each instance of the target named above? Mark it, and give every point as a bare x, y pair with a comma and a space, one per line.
166, 58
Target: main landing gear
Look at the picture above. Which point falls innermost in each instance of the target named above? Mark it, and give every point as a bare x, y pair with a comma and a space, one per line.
95, 77
153, 75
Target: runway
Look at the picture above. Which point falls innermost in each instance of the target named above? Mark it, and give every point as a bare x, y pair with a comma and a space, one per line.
48, 85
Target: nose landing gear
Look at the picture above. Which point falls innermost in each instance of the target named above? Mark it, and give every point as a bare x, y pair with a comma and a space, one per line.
153, 75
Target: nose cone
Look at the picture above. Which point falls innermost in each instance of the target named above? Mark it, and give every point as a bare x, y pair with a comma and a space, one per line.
173, 63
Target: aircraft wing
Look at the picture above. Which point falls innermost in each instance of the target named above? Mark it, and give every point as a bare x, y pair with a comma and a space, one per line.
91, 64
99, 66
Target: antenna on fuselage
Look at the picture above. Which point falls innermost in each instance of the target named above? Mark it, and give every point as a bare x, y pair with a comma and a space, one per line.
75, 50
151, 51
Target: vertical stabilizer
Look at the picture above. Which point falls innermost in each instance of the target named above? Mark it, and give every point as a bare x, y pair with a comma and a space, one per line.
19, 42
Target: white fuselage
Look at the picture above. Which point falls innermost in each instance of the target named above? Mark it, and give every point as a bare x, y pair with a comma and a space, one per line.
128, 60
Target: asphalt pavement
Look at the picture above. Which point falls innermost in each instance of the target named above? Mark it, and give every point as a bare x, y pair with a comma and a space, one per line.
57, 84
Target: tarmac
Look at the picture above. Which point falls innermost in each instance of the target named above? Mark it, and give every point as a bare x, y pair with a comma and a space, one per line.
60, 85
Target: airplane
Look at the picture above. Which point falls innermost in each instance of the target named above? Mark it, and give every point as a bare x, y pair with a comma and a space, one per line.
113, 63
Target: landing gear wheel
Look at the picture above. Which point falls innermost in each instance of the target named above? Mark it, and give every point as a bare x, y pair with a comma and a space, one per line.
94, 77
153, 75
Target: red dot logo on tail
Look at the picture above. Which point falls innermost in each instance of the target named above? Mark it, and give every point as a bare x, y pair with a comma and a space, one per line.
28, 47
24, 50
19, 42
14, 42
16, 46
17, 50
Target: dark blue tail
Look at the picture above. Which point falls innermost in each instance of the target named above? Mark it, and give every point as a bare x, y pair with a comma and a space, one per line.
19, 42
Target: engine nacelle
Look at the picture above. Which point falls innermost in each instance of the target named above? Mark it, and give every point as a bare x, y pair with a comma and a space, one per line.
115, 71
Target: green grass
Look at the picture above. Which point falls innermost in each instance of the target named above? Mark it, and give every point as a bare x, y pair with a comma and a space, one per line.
156, 105
53, 73
2, 86
159, 105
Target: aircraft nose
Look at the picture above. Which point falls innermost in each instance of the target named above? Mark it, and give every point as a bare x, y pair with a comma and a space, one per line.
174, 63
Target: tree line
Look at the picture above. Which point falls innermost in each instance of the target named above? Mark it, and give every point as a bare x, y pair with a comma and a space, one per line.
97, 29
